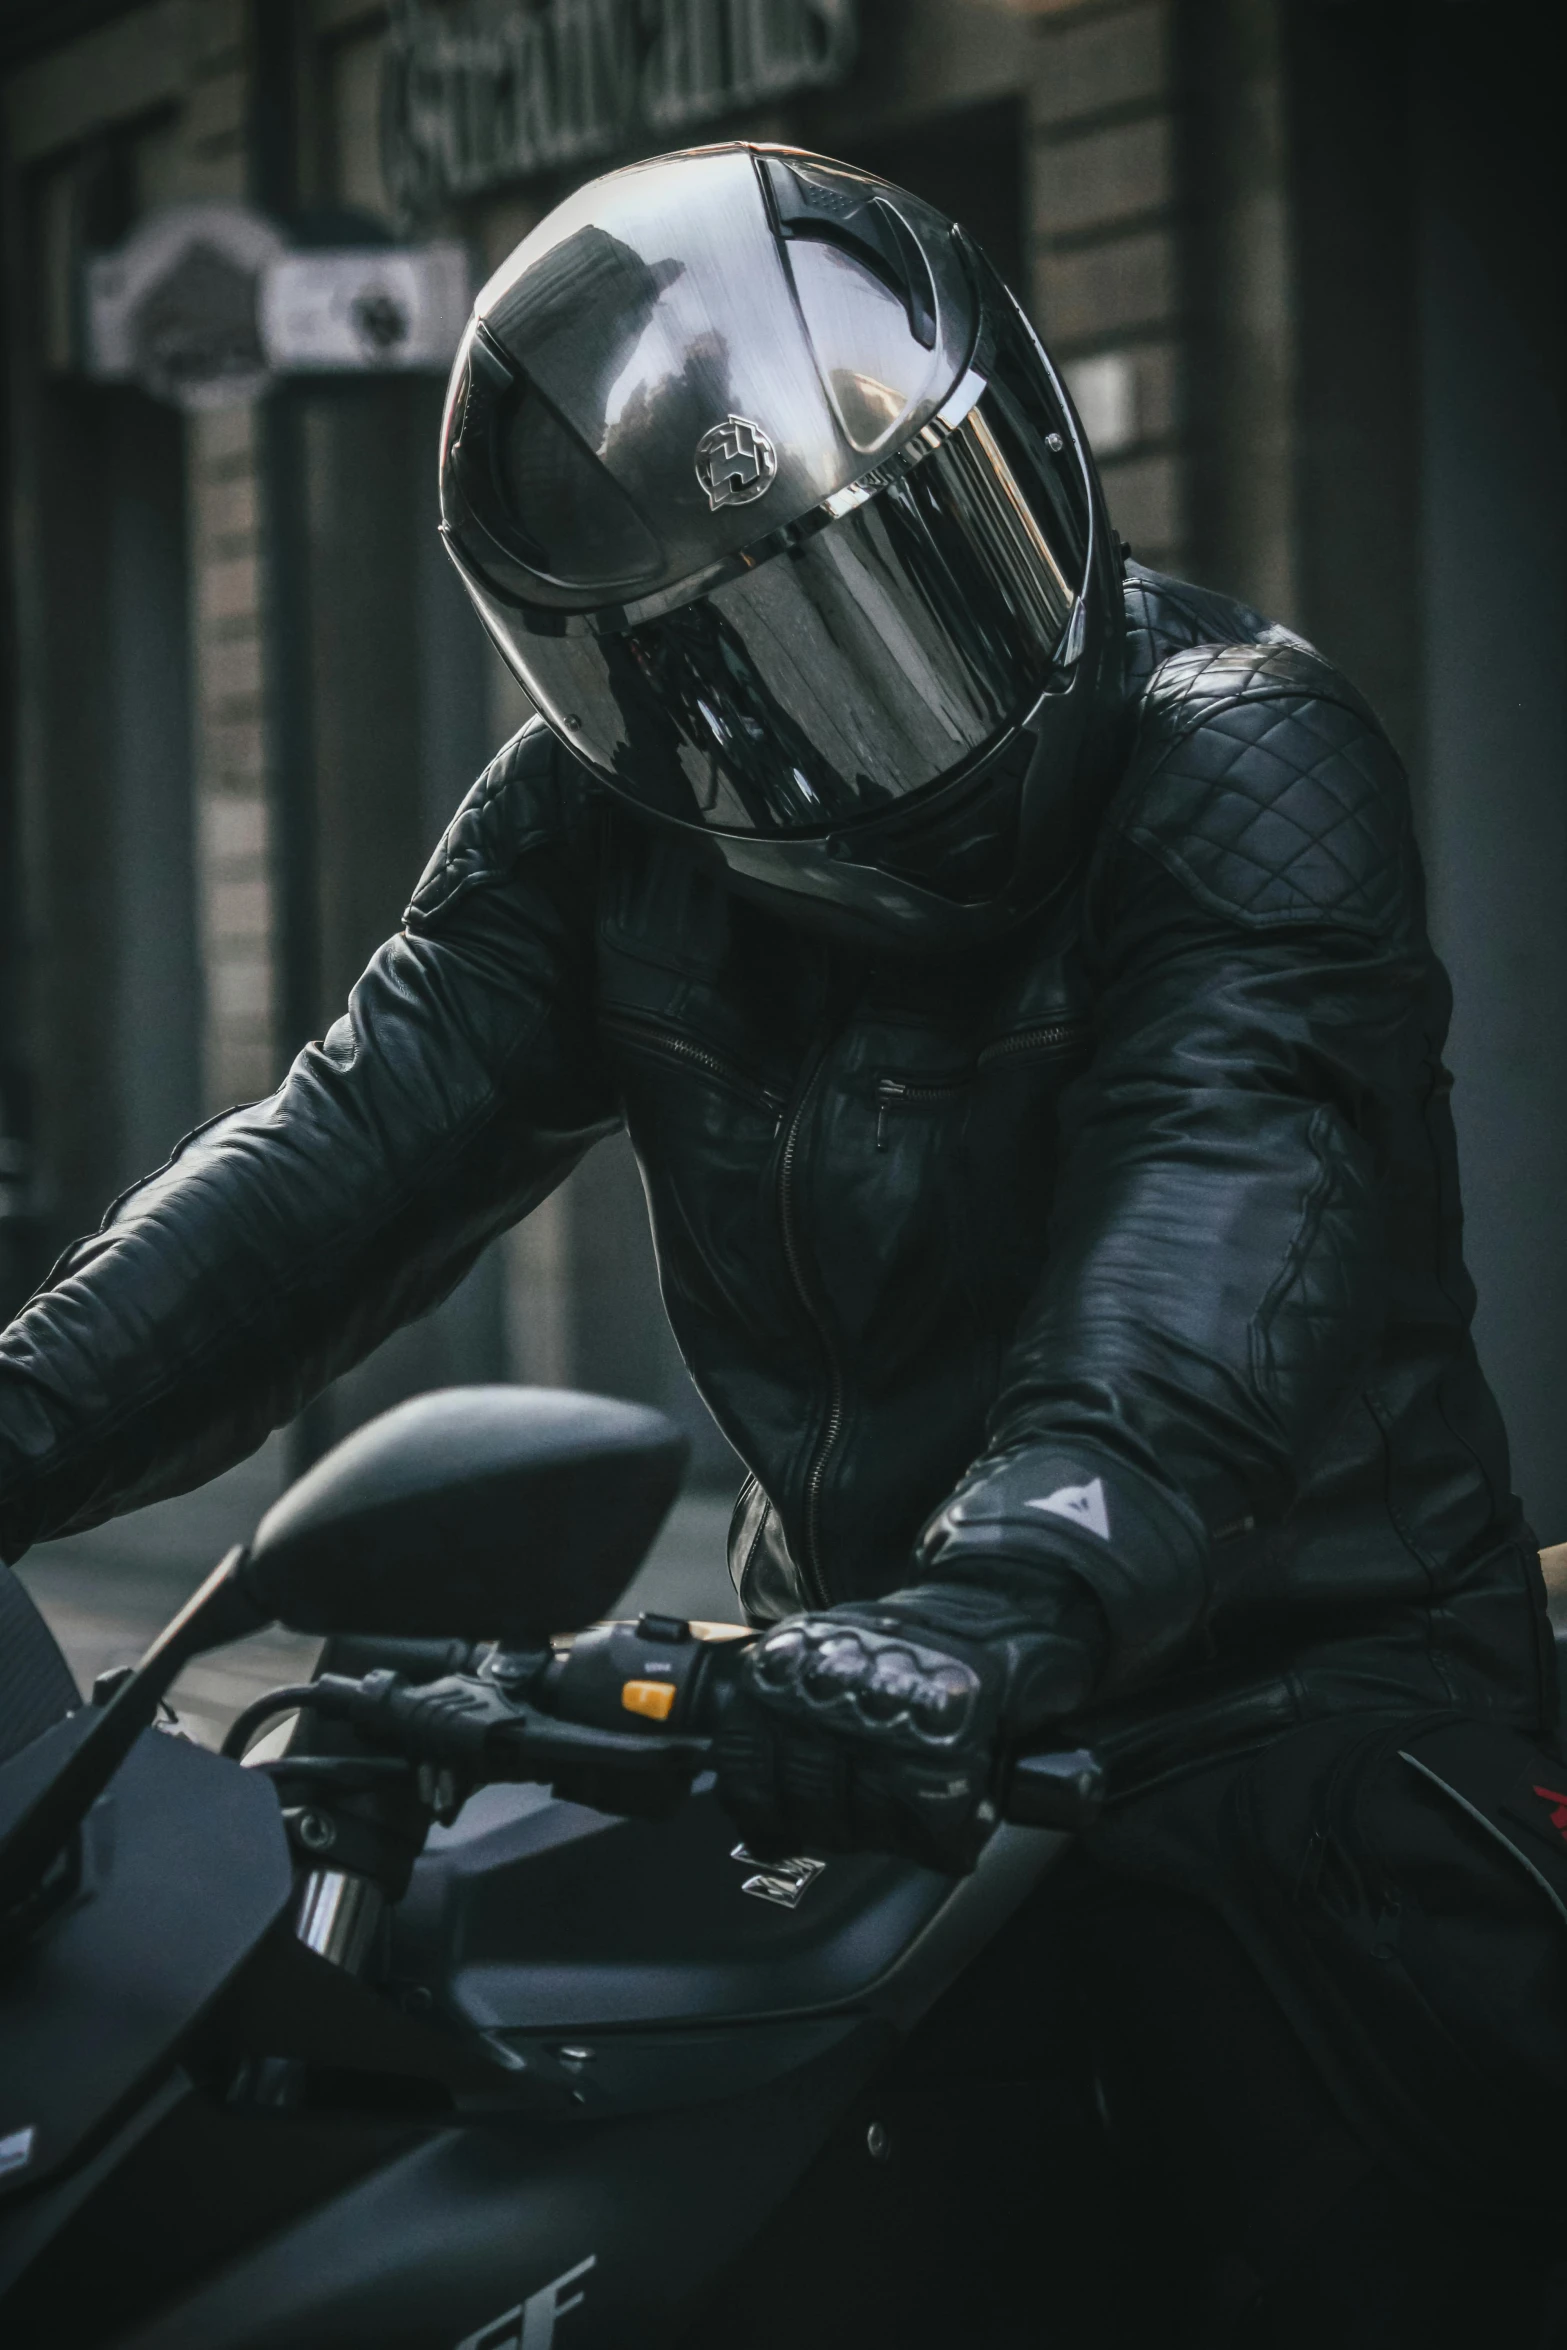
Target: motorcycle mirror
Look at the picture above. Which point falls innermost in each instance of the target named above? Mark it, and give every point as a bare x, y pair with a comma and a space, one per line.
472, 1513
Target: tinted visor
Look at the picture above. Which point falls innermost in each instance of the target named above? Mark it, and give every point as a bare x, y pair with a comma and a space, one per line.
867, 661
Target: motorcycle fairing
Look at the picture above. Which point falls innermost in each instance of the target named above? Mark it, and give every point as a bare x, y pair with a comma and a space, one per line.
380, 2220
531, 1915
444, 2246
183, 1867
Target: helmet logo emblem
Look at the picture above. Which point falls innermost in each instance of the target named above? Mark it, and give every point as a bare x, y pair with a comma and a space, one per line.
735, 462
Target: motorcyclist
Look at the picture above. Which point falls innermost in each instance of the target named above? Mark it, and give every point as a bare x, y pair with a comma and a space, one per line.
1011, 968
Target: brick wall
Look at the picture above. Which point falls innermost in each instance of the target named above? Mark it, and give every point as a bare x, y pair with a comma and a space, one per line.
233, 864
232, 833
1106, 267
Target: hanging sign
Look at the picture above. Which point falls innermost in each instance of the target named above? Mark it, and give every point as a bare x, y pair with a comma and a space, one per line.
205, 305
480, 92
175, 307
371, 307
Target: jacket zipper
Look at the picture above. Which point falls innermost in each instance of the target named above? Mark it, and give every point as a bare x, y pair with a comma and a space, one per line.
658, 1038
669, 1041
1047, 1036
794, 1258
890, 1091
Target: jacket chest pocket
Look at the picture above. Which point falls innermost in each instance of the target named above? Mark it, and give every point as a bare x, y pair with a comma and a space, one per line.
1039, 1059
651, 1049
896, 1096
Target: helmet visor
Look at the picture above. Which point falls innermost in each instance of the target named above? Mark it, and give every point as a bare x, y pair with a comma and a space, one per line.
869, 660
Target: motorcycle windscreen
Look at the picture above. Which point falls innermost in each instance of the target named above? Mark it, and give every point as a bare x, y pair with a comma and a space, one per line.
870, 662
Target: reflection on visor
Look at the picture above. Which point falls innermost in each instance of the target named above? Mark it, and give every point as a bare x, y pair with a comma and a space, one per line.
863, 664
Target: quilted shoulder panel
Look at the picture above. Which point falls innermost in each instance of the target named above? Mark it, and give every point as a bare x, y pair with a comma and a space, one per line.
1165, 616
1263, 782
520, 801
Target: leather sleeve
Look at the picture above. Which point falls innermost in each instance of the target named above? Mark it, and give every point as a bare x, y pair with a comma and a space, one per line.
1214, 1278
284, 1240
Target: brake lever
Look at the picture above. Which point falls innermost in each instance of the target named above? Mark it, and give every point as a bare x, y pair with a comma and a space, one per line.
473, 1727
541, 1744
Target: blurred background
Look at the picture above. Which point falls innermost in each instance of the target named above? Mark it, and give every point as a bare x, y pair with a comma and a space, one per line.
1301, 260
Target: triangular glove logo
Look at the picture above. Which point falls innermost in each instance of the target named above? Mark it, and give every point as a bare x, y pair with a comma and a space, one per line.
1084, 1505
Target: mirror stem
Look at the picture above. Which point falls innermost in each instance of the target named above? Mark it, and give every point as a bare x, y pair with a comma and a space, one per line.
221, 1610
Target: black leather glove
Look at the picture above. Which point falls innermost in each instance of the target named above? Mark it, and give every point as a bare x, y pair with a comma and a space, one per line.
880, 1726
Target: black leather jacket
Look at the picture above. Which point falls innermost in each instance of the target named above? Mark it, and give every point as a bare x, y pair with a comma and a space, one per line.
1160, 1192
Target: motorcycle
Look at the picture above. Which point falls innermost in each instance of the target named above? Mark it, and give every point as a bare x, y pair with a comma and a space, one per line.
463, 2021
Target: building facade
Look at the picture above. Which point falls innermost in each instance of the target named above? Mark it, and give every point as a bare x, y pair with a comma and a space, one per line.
1300, 261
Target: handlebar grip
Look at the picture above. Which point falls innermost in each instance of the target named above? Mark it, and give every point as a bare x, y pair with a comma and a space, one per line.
1059, 1787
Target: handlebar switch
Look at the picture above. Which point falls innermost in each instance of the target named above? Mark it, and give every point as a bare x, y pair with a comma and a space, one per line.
663, 1631
614, 1672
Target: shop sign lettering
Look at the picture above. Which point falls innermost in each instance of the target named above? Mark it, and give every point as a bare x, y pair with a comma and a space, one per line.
481, 92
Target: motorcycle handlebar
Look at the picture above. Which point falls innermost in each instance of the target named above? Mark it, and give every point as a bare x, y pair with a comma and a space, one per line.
624, 1721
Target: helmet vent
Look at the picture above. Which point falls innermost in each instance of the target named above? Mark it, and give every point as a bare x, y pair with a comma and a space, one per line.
833, 208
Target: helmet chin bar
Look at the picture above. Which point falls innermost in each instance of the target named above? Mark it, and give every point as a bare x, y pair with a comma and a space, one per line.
859, 892
861, 904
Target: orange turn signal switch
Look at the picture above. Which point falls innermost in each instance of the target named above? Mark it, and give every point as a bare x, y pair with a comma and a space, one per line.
654, 1700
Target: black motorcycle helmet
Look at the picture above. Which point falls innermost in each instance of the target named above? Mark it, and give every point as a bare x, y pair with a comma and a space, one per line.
767, 492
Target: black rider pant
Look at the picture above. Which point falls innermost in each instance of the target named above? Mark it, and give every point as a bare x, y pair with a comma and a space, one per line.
1260, 2222
1105, 2136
